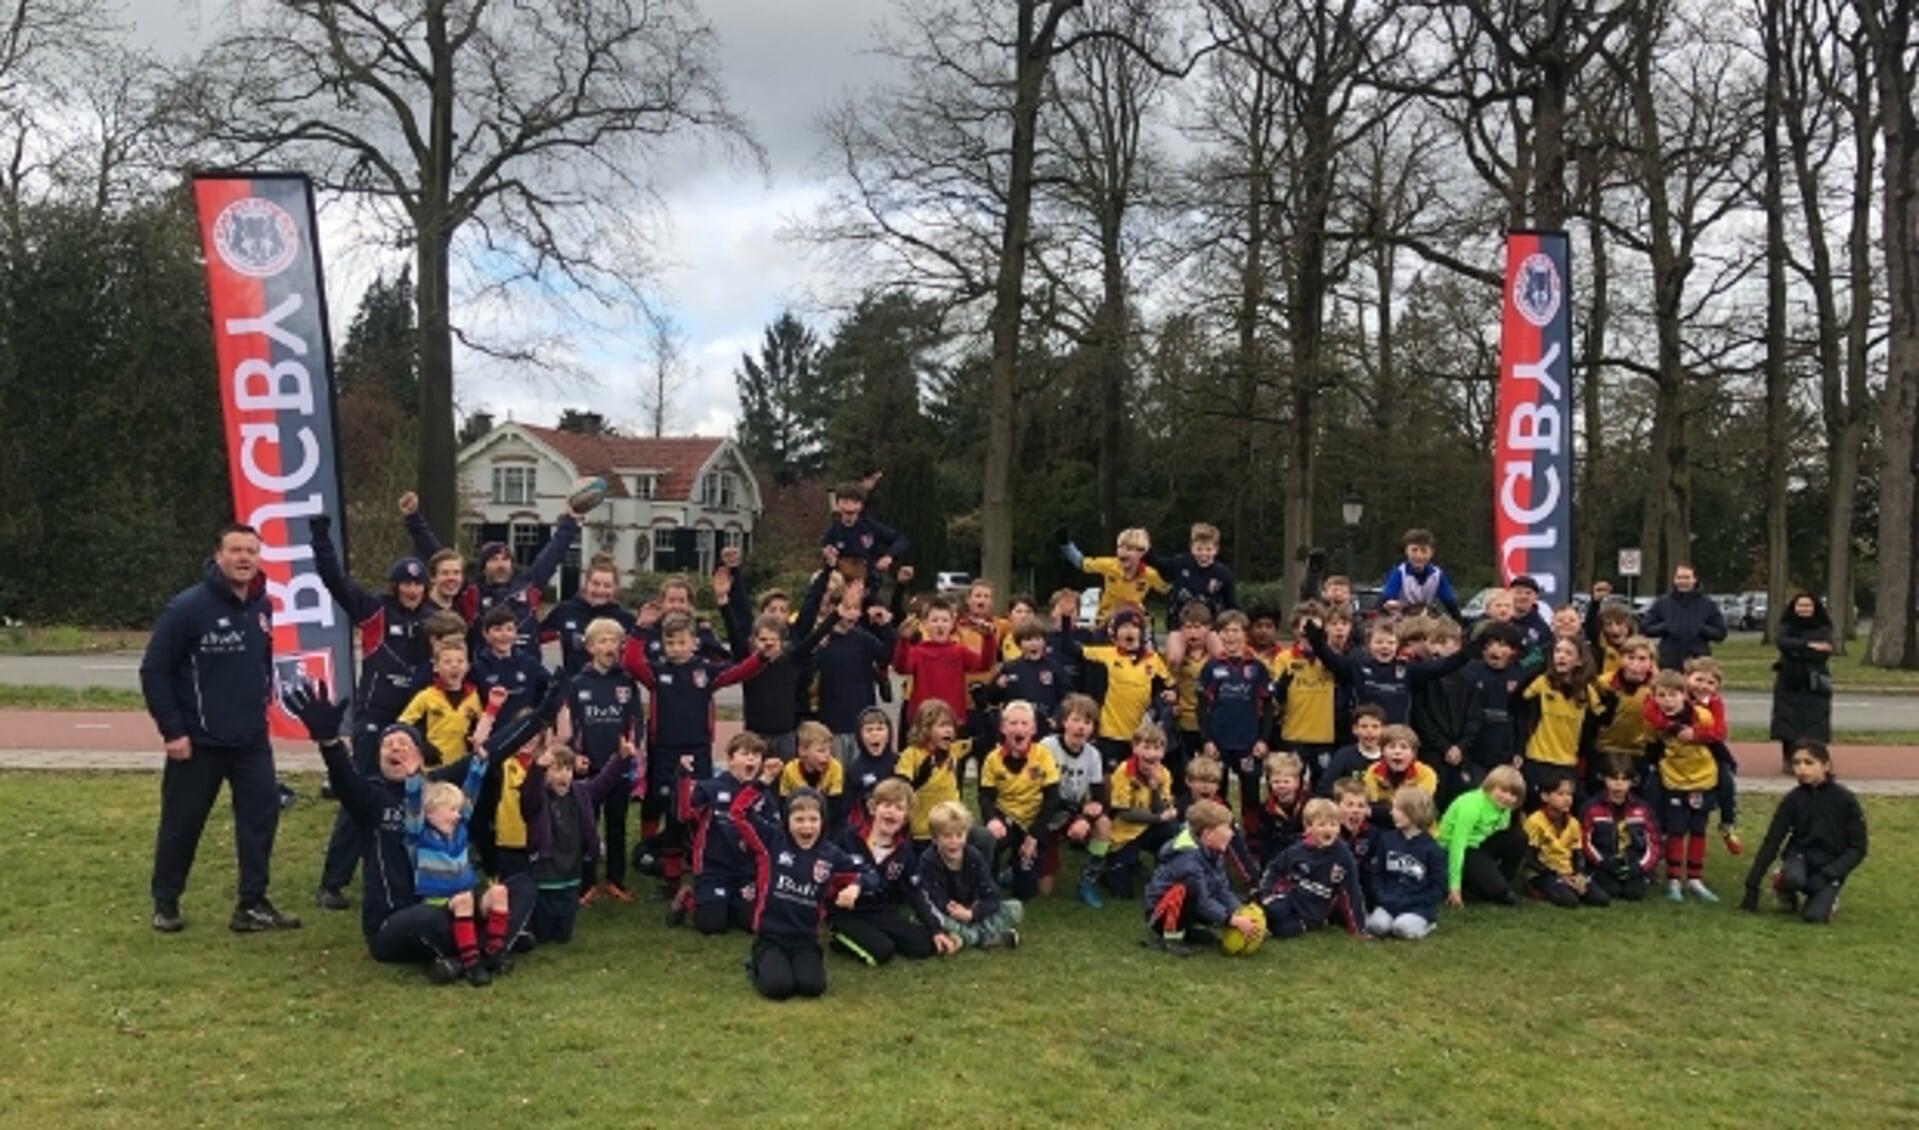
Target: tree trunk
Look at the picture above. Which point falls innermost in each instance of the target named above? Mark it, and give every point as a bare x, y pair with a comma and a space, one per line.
1306, 311
1893, 639
1591, 412
1112, 375
1778, 455
1033, 47
1252, 291
434, 226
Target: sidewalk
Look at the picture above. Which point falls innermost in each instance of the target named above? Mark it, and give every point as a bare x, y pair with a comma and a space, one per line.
125, 741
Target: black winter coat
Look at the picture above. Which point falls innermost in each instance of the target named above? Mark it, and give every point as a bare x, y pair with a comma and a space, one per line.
1802, 680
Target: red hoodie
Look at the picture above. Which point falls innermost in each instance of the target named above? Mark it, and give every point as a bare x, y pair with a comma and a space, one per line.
938, 670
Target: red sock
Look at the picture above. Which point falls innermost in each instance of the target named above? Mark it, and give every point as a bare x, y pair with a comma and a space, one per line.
1166, 911
1249, 815
465, 940
1675, 856
1695, 857
670, 865
495, 930
649, 828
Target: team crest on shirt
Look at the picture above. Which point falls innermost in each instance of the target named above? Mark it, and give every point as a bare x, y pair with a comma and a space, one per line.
1045, 678
866, 541
822, 870
1036, 773
1337, 875
699, 679
622, 694
893, 869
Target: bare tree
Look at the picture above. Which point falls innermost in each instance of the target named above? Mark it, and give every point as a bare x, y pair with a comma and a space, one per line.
523, 133
666, 372
1892, 31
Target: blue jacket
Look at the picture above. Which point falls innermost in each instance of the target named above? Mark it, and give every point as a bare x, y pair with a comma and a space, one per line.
865, 540
721, 862
606, 710
1427, 586
1686, 624
1321, 883
844, 662
1186, 860
1409, 874
521, 674
899, 877
208, 671
377, 808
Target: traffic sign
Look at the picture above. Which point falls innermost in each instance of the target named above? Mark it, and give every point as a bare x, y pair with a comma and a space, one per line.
1629, 561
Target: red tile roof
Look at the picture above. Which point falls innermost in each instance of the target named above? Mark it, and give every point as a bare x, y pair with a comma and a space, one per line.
676, 460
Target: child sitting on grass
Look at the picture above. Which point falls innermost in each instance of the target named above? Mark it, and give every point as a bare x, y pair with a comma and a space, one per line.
1621, 832
721, 897
1189, 890
1082, 818
1314, 882
437, 815
1409, 870
877, 929
1555, 848
959, 885
1483, 849
1822, 831
1282, 817
1140, 802
1398, 767
801, 875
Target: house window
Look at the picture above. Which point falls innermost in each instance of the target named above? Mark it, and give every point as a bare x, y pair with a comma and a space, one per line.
729, 499
527, 538
733, 539
643, 486
704, 543
662, 549
514, 486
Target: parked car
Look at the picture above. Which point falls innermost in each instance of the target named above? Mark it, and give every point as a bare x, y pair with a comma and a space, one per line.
1755, 616
1366, 604
948, 584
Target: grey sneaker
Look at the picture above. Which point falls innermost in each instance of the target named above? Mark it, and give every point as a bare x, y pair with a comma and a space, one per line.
166, 917
259, 917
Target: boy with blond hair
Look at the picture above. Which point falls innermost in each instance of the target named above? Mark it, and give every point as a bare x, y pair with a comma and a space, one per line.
1197, 575
814, 767
1140, 801
1126, 580
1018, 795
1315, 882
1409, 870
959, 886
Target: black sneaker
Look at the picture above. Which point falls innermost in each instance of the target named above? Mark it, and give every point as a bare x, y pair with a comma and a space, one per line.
166, 917
330, 898
478, 976
1012, 939
443, 971
260, 916
499, 963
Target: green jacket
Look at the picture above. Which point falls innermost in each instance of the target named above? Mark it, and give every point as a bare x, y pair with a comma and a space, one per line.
1467, 824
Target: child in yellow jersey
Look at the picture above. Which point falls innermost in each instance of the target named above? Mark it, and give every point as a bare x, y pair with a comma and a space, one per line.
1018, 796
1125, 578
1624, 731
1556, 848
1398, 767
1307, 693
929, 765
1019, 609
1139, 800
1609, 624
1565, 702
1134, 677
1187, 651
447, 711
1688, 776
814, 767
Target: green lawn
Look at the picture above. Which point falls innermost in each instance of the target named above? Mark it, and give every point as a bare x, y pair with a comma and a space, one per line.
1748, 665
31, 697
66, 639
1650, 1015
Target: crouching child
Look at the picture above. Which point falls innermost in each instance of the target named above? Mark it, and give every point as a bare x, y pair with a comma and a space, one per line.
1189, 891
958, 883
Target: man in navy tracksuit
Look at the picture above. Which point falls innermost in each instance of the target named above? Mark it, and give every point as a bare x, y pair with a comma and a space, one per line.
598, 599
498, 583
398, 927
208, 676
392, 648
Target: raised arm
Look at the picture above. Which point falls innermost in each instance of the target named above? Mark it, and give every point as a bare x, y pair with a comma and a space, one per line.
360, 605
425, 545
565, 532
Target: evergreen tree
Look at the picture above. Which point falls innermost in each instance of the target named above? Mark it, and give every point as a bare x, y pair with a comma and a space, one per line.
785, 402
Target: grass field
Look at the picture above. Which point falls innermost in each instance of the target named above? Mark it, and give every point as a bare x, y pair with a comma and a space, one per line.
1748, 664
1651, 1015
30, 697
65, 639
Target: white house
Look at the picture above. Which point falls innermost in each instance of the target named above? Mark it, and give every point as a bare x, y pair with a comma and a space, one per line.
671, 503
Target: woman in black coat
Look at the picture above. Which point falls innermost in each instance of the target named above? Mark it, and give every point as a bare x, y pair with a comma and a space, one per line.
1802, 683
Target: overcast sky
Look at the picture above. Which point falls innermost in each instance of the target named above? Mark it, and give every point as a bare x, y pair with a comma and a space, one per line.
728, 273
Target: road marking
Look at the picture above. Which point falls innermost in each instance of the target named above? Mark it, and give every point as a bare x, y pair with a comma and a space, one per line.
93, 725
109, 667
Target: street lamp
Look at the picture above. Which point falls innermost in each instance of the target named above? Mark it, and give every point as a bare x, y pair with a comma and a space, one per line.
1352, 509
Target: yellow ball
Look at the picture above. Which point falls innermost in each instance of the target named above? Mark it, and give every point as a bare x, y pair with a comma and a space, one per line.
1237, 944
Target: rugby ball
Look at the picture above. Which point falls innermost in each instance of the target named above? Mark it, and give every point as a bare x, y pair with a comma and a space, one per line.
587, 493
1237, 944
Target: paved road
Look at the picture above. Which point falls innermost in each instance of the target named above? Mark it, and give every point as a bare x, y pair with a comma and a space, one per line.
122, 669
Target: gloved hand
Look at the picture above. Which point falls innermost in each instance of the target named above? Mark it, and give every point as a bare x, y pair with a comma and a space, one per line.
1750, 903
558, 688
320, 525
313, 705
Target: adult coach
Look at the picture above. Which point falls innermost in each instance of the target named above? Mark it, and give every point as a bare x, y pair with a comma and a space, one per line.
1685, 621
207, 677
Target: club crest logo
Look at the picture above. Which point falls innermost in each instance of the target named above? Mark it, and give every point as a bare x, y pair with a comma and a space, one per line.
256, 238
699, 679
1336, 875
621, 694
1537, 289
822, 870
